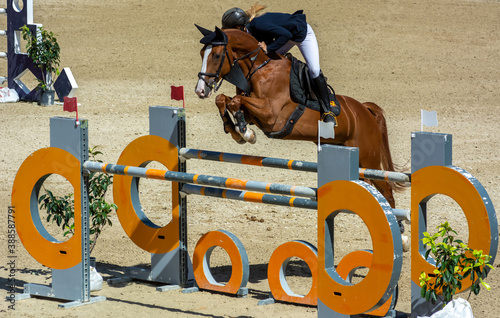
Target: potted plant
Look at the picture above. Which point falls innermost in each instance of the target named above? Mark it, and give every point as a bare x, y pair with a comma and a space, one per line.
61, 209
455, 262
44, 51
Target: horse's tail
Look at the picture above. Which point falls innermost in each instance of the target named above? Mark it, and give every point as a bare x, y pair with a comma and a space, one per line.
387, 163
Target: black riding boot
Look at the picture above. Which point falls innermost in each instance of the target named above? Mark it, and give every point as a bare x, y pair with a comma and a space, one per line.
329, 108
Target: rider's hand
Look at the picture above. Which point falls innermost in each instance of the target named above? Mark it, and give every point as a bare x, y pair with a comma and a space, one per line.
263, 46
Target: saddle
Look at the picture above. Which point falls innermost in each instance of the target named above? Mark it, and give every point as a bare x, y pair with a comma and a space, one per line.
301, 92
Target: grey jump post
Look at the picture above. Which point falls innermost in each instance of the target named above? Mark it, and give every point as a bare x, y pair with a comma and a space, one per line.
427, 149
71, 284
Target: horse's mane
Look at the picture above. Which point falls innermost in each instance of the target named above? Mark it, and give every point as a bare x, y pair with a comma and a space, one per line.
241, 41
233, 34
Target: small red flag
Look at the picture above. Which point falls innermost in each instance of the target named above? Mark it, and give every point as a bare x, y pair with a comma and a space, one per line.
178, 93
71, 105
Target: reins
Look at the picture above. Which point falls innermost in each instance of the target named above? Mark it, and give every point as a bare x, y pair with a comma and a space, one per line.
258, 68
253, 59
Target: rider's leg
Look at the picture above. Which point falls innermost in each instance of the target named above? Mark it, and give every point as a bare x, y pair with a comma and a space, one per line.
327, 106
310, 51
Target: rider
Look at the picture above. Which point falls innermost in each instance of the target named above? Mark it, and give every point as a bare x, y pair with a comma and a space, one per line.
278, 33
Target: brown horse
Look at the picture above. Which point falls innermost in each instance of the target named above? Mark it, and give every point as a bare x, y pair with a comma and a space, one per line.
235, 56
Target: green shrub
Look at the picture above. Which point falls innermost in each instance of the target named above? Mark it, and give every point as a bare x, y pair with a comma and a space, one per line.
61, 210
44, 51
455, 262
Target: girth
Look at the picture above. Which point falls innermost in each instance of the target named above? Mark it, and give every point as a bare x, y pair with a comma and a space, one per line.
290, 123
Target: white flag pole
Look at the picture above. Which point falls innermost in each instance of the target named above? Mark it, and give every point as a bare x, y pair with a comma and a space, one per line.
421, 120
319, 136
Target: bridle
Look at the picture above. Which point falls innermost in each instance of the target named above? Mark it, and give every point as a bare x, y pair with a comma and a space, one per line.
235, 75
201, 75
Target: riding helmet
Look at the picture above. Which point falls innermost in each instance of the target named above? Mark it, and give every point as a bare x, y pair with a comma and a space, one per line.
233, 18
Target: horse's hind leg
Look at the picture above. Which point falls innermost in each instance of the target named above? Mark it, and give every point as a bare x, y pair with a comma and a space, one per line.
370, 158
386, 190
221, 101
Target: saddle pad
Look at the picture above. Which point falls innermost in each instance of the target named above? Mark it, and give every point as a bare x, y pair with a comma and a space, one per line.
300, 90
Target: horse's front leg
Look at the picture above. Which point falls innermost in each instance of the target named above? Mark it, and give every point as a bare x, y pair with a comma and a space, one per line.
256, 107
221, 101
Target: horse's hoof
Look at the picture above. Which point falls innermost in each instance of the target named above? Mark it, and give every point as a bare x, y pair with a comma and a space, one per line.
253, 137
241, 141
406, 243
249, 135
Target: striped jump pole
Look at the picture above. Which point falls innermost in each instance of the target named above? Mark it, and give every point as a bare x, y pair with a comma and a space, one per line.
191, 185
192, 178
248, 196
188, 153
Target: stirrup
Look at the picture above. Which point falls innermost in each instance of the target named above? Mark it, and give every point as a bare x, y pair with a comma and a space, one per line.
324, 115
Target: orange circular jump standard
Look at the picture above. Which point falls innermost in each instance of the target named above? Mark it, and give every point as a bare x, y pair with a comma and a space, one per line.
237, 254
476, 205
139, 228
276, 270
35, 238
377, 287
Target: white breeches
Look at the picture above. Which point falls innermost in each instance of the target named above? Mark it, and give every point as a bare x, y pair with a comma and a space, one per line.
309, 50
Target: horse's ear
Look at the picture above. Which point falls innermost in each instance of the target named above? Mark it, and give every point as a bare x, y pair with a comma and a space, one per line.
220, 36
203, 31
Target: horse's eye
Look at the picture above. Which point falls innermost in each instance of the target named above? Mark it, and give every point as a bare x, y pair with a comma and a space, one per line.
216, 56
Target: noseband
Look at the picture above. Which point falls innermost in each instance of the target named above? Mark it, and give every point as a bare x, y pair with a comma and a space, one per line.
235, 75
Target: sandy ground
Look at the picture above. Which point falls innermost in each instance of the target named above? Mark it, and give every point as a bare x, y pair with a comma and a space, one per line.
404, 55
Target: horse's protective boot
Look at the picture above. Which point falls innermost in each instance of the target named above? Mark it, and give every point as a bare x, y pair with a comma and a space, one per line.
330, 107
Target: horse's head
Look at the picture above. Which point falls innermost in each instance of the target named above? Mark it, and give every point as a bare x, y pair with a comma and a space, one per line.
220, 63
215, 64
